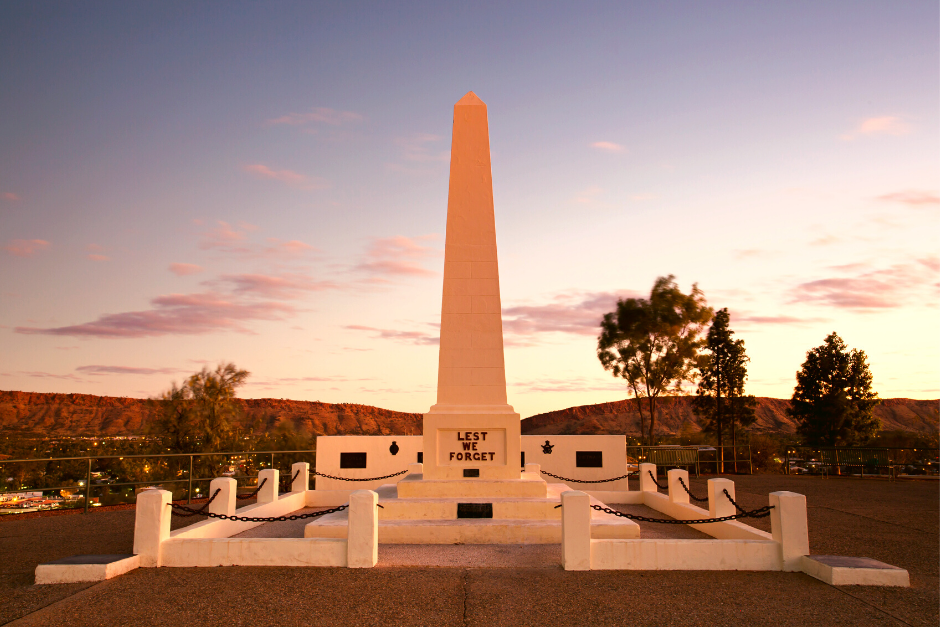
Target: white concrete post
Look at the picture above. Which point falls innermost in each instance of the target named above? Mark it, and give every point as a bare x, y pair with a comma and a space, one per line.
224, 503
534, 468
152, 525
788, 526
575, 530
415, 469
718, 504
647, 484
362, 540
677, 493
268, 491
302, 482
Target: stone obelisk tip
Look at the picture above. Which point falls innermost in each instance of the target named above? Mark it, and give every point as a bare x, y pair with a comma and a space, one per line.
470, 99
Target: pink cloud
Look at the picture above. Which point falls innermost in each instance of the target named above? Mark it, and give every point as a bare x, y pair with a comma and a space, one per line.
225, 238
176, 314
411, 337
871, 289
282, 286
288, 177
290, 248
883, 125
913, 198
419, 148
9, 196
607, 146
577, 313
748, 320
569, 384
322, 115
185, 269
96, 257
399, 256
51, 375
100, 370
25, 247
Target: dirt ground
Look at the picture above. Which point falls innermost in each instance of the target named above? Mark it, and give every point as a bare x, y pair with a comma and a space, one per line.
895, 522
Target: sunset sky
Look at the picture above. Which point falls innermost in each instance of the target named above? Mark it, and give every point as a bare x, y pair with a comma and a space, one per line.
266, 183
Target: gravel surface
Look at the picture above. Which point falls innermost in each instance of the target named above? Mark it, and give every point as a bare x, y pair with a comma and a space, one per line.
895, 522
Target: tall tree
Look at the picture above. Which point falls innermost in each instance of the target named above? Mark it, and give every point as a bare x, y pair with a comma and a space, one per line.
833, 400
720, 402
202, 412
653, 343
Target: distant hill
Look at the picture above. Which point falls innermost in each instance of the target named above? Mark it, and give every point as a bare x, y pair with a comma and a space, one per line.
85, 414
903, 414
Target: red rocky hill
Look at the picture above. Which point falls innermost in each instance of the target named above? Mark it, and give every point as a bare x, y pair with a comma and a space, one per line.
85, 414
896, 414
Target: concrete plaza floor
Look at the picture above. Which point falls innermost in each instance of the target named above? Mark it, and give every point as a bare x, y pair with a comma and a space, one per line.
895, 522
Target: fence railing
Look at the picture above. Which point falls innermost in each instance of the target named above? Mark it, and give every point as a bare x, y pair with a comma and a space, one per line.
860, 461
76, 473
711, 459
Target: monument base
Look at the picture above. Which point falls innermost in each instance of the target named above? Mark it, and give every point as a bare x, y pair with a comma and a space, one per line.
527, 486
472, 442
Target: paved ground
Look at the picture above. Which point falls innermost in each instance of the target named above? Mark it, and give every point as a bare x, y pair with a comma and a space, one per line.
894, 522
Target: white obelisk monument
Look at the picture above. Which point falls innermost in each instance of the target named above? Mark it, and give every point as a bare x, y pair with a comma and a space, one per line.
471, 432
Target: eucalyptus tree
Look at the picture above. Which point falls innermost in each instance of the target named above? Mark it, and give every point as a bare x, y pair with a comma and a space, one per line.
653, 344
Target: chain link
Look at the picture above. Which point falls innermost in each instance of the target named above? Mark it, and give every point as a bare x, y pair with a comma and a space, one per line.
629, 474
201, 509
692, 496
320, 474
192, 512
253, 493
658, 485
291, 482
762, 512
736, 506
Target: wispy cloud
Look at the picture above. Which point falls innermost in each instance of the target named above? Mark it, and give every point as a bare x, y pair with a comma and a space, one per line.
226, 238
871, 289
51, 375
883, 125
748, 320
10, 196
608, 146
319, 115
422, 148
97, 257
185, 269
588, 195
912, 198
104, 370
25, 247
283, 286
410, 337
579, 313
399, 256
288, 177
567, 385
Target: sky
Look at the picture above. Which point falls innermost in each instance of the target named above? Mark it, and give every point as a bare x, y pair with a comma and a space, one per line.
184, 184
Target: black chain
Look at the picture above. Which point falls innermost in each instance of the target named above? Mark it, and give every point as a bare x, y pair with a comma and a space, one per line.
192, 512
253, 493
320, 474
629, 474
658, 485
293, 479
736, 506
757, 513
201, 510
692, 496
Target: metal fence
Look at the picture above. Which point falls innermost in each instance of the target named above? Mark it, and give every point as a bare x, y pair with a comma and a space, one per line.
709, 459
165, 469
826, 460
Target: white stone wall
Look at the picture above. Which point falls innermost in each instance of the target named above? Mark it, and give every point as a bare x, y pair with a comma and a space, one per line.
561, 461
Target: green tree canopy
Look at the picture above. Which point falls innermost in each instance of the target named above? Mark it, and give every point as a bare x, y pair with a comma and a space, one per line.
653, 343
202, 413
833, 399
720, 402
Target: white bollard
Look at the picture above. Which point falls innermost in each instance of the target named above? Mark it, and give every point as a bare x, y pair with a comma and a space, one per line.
224, 503
362, 540
268, 492
415, 469
575, 530
302, 482
788, 526
677, 493
536, 469
647, 483
152, 525
718, 504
